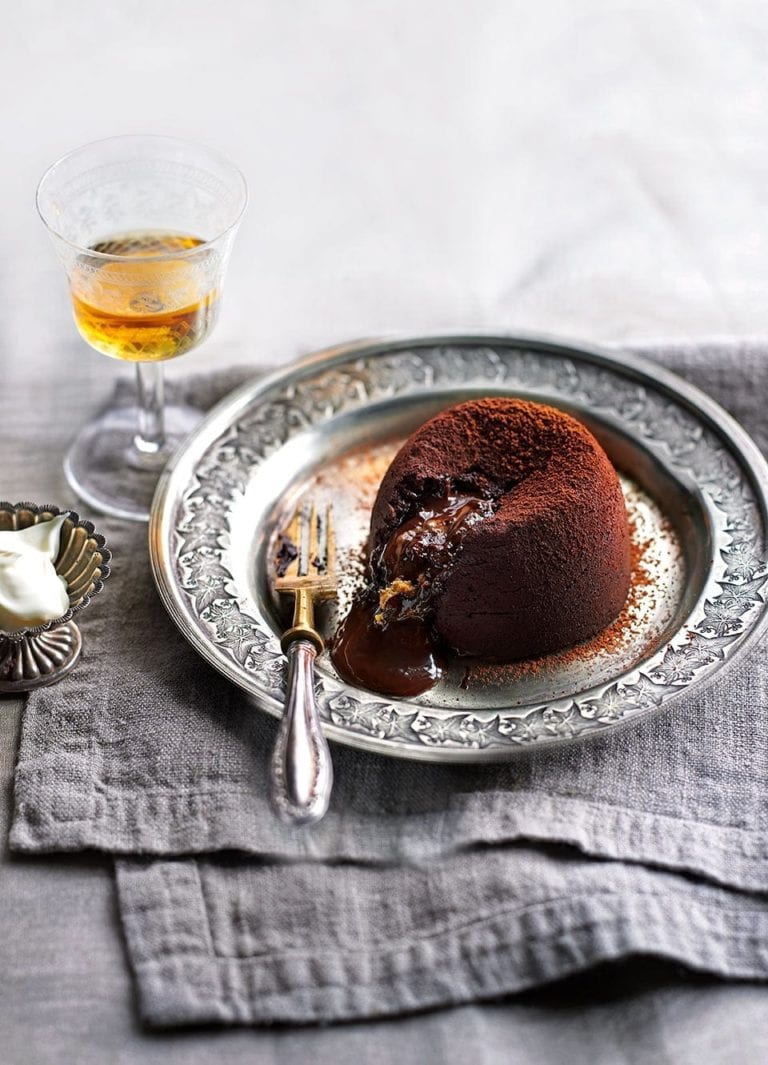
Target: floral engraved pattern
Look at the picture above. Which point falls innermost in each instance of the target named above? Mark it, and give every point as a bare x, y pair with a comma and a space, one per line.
609, 707
732, 605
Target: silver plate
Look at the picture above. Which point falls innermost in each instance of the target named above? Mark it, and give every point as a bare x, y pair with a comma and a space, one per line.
697, 490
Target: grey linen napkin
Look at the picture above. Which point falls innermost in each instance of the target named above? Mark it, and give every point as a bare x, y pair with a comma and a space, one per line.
424, 885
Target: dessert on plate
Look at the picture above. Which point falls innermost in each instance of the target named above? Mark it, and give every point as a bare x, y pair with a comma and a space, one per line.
499, 532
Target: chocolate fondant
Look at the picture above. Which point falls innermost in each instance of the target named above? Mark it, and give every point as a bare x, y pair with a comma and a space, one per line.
500, 526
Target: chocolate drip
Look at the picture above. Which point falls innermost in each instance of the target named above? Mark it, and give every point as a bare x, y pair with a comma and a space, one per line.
423, 547
386, 642
398, 658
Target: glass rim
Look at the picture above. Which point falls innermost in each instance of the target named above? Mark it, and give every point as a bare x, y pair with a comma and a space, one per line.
109, 256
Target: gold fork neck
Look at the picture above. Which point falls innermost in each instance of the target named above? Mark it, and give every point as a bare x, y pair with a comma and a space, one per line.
303, 627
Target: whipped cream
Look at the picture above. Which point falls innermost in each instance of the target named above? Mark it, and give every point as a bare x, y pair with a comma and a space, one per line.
31, 591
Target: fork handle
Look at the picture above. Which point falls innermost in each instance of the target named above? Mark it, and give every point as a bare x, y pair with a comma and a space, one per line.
301, 769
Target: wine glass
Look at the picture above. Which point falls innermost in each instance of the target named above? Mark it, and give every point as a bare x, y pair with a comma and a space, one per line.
143, 226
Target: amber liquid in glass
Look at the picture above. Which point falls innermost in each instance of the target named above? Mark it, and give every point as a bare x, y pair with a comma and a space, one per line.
156, 307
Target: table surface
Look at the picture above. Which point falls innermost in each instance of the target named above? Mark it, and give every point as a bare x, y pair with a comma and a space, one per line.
583, 169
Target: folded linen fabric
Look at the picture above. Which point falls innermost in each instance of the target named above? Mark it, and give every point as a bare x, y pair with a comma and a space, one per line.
496, 877
246, 942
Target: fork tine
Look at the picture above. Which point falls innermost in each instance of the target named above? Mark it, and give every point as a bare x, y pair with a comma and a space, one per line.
303, 542
293, 528
330, 541
313, 554
291, 536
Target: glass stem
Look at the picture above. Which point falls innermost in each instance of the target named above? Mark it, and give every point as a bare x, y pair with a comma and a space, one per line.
150, 439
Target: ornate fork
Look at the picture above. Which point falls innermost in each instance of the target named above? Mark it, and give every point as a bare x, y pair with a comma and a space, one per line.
301, 770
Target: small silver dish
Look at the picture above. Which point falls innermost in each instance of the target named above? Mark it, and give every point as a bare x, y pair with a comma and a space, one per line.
43, 654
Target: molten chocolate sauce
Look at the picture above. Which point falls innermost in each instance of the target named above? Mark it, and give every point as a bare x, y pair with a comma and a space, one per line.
423, 547
386, 642
396, 658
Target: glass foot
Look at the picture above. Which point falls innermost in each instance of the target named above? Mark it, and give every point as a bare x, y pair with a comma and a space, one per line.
110, 473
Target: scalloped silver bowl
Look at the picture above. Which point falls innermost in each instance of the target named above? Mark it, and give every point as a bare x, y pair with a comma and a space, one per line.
33, 657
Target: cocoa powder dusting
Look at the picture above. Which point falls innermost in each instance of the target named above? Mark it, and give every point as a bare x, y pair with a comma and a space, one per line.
617, 636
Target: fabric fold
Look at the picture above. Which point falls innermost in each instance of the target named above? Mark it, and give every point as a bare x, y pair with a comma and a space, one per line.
331, 943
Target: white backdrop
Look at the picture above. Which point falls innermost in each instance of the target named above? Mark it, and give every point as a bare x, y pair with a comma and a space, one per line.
594, 169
